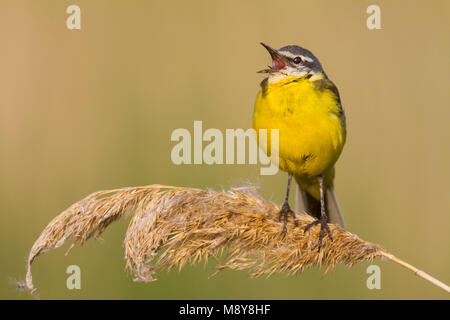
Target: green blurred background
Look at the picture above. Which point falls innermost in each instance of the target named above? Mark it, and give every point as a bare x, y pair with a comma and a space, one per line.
94, 109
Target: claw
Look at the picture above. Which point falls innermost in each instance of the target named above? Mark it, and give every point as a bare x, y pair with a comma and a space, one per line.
323, 226
284, 212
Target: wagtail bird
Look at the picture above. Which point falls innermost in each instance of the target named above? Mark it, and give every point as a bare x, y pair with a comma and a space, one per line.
298, 99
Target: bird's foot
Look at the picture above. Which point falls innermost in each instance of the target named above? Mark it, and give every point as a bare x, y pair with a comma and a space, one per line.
323, 221
285, 212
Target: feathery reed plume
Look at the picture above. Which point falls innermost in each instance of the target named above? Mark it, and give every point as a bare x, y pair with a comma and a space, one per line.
187, 225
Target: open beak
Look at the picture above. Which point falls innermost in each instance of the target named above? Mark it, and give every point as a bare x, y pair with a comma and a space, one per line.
277, 60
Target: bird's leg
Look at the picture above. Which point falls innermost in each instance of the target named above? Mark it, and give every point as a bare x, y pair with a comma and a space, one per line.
286, 209
323, 215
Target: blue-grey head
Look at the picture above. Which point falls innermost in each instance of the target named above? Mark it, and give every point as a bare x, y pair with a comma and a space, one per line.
292, 61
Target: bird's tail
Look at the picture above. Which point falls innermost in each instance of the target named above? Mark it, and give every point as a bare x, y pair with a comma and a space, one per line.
304, 202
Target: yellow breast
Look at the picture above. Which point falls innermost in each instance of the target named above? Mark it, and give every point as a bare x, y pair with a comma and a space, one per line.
310, 122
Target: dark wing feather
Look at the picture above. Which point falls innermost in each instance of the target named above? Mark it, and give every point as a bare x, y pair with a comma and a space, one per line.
304, 202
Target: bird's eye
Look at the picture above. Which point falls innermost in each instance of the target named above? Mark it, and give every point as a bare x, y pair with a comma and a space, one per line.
297, 60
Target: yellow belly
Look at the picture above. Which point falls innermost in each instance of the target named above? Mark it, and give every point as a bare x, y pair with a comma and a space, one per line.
311, 130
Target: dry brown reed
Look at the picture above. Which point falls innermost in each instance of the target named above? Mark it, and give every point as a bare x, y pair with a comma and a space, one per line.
174, 225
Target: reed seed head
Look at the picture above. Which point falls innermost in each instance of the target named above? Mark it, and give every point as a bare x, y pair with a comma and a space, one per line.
172, 226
